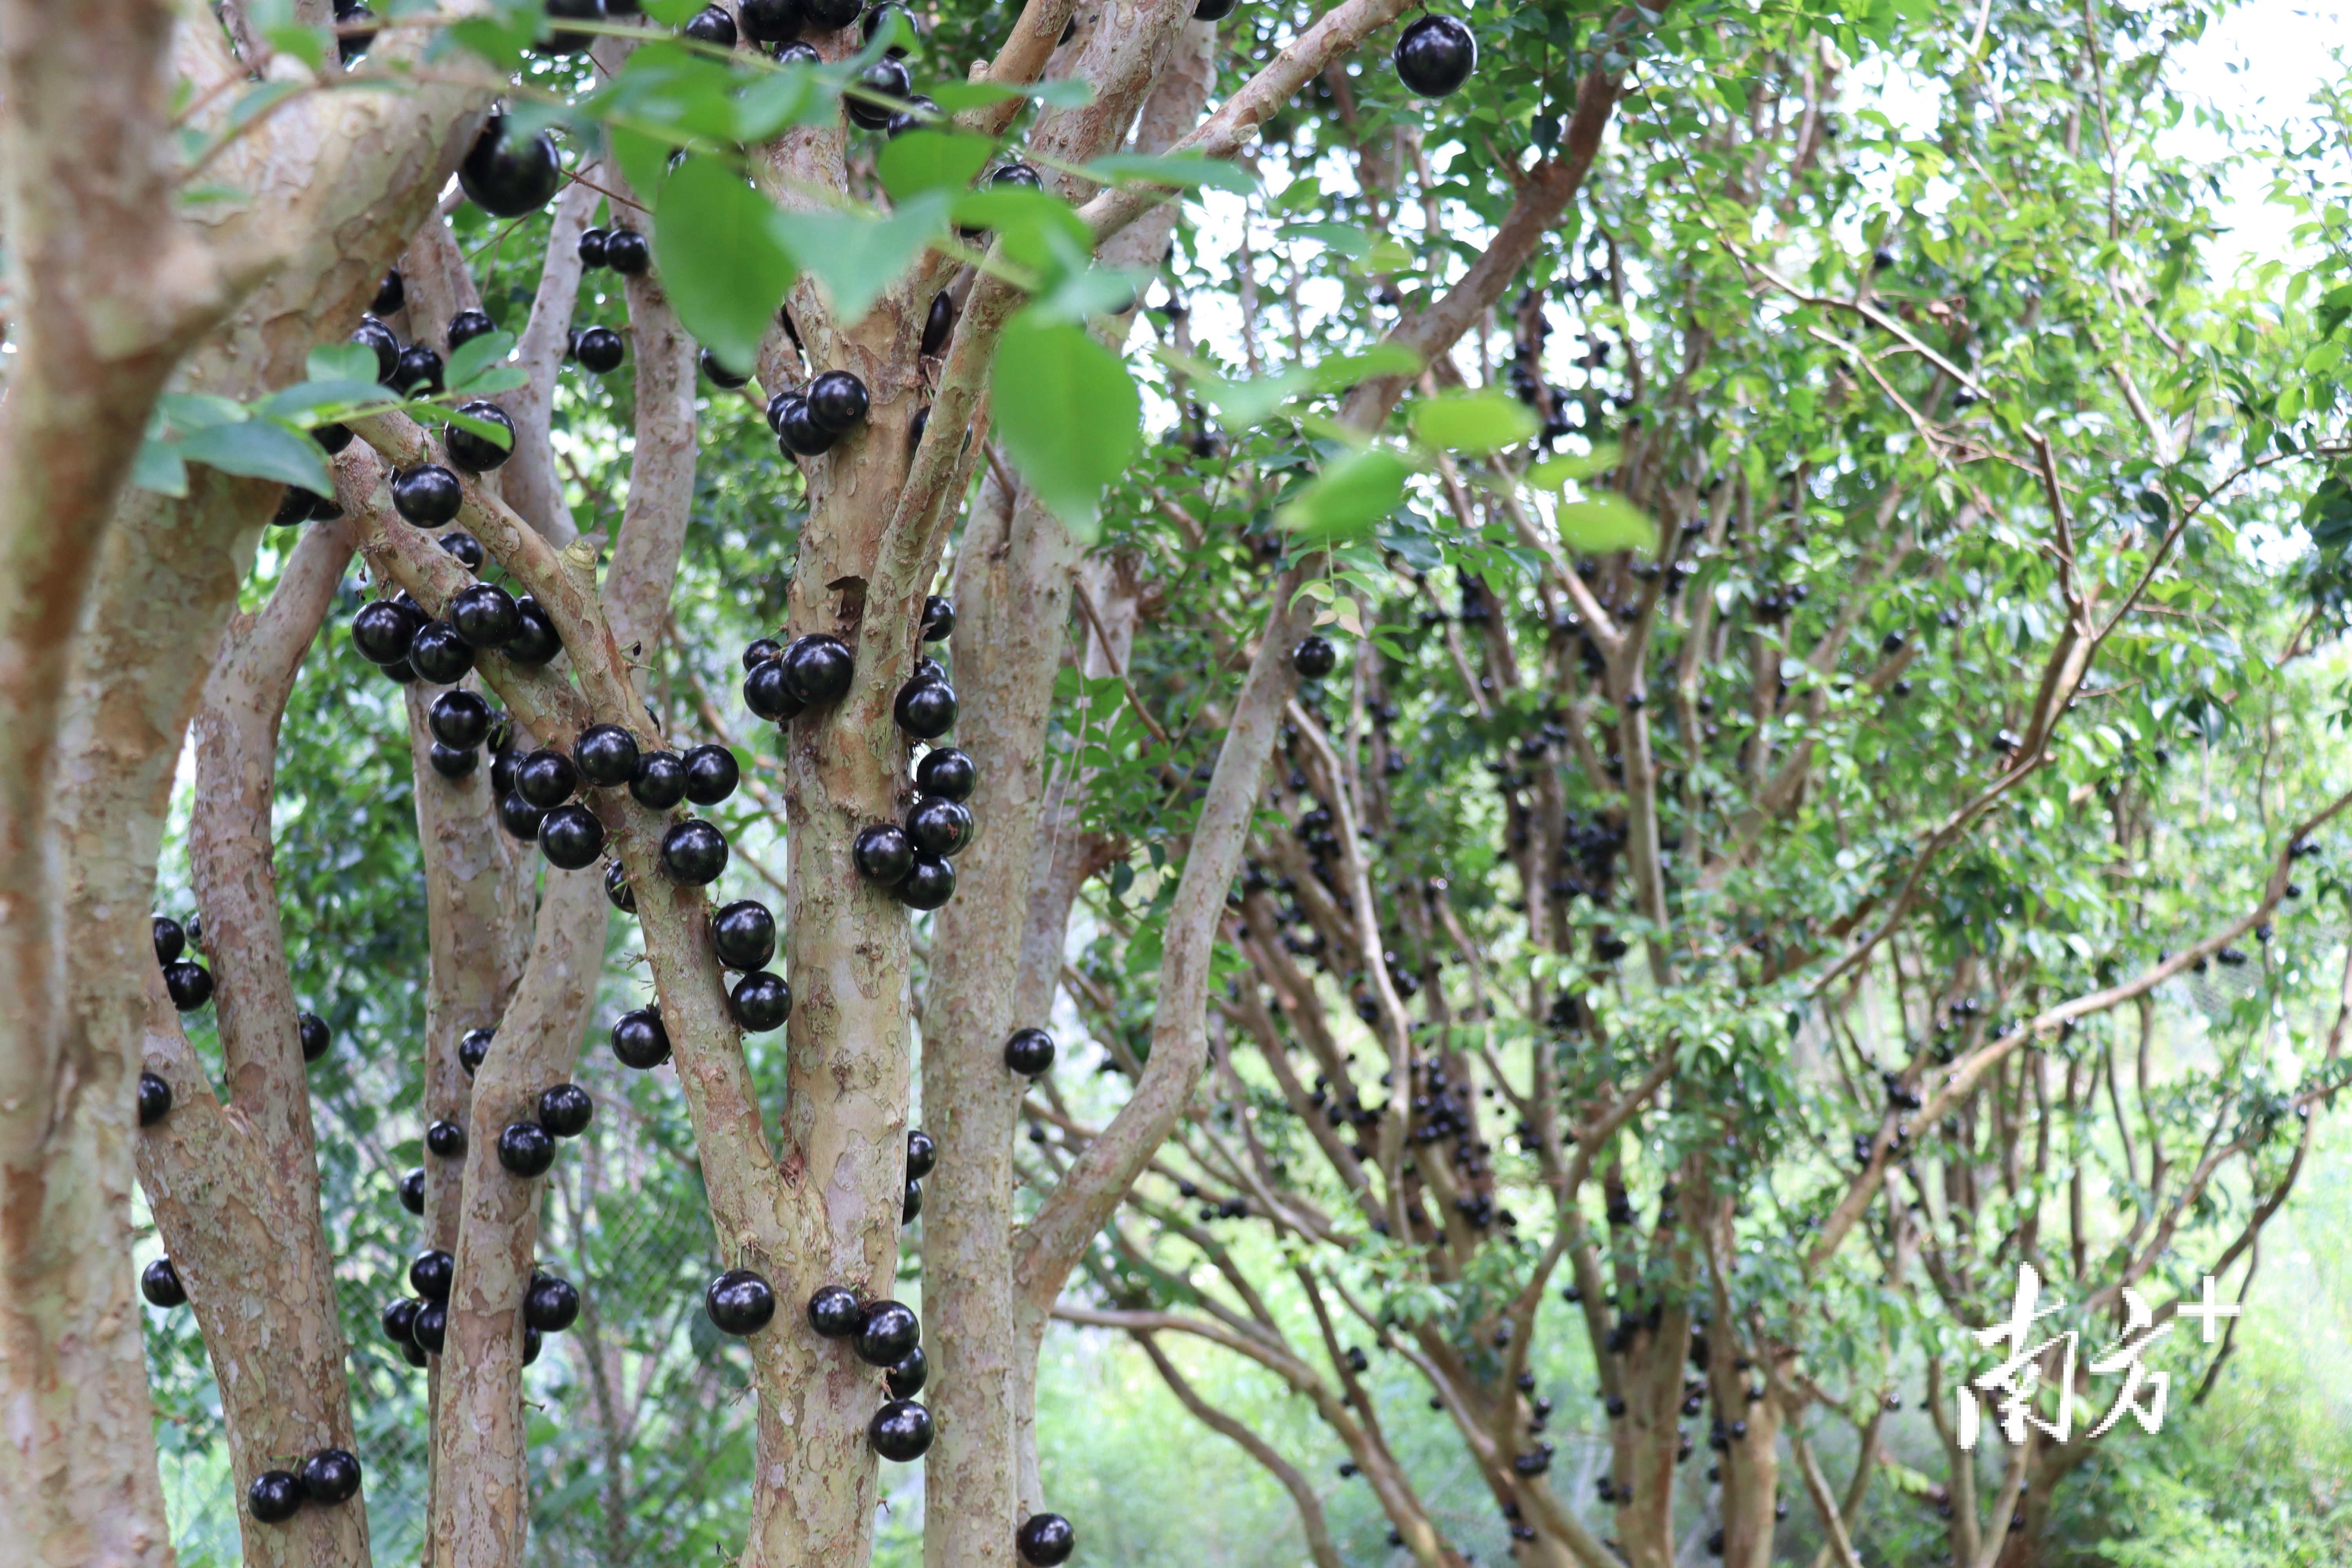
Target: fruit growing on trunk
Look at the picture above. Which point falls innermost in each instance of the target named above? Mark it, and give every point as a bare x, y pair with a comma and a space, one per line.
740, 1303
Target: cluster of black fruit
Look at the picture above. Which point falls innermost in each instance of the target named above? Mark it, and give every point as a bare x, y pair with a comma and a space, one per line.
397, 636
808, 422
190, 983
921, 1155
884, 1334
329, 1478
419, 1325
743, 934
777, 22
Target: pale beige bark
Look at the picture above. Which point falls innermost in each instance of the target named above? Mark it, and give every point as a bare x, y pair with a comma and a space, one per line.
661, 473
529, 480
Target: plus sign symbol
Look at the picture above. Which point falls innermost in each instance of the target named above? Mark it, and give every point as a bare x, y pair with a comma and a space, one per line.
2210, 1312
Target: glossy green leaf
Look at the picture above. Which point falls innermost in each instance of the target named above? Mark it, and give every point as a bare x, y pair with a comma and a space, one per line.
855, 258
1184, 170
720, 258
1346, 498
955, 97
1604, 523
1551, 473
1067, 414
342, 362
474, 356
159, 467
1345, 238
260, 450
314, 401
1480, 422
923, 161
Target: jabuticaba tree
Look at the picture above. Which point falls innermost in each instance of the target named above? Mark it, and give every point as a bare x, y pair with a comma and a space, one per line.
1675, 989
928, 277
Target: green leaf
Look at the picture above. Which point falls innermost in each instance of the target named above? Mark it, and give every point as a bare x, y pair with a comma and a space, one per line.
261, 449
1553, 472
1092, 292
645, 163
1187, 170
158, 467
1345, 238
475, 355
190, 411
305, 44
501, 46
1349, 497
318, 402
1386, 256
793, 95
1068, 414
672, 13
496, 379
955, 97
342, 362
439, 414
1604, 523
855, 258
1037, 230
1483, 421
720, 258
1343, 371
923, 161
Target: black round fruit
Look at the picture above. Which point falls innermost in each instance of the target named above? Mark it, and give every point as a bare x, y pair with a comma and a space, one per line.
474, 1048
922, 1154
520, 818
900, 1431
769, 21
910, 1206
660, 780
906, 1380
1314, 659
1017, 174
464, 548
760, 651
430, 1274
412, 1190
562, 41
592, 248
947, 773
930, 883
418, 373
939, 618
399, 1320
1045, 1539
390, 295
571, 837
551, 1305
886, 15
719, 374
171, 939
761, 1002
332, 439
485, 615
1214, 10
431, 1328
451, 762
834, 1311
160, 1283
315, 1036
744, 932
838, 401
1435, 55
599, 349
473, 451
711, 25
459, 718
414, 1354
190, 985
627, 253
546, 778
767, 694
606, 755
535, 640
921, 110
800, 433
711, 774
468, 325
623, 897
926, 709
883, 855
378, 340
154, 1099
274, 1497
526, 1148
380, 632
740, 1303
509, 176
939, 827
531, 1344
639, 1040
831, 15
886, 1332
566, 1110
818, 669
331, 1476
446, 1139
438, 654
1029, 1052
694, 853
